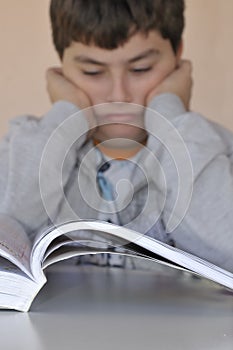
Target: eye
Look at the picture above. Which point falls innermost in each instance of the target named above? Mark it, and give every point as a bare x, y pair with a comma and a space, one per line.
141, 70
93, 73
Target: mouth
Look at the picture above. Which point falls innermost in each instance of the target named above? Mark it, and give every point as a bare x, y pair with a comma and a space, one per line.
119, 113
120, 118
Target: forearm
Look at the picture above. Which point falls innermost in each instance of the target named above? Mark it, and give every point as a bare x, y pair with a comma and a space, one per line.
20, 159
204, 216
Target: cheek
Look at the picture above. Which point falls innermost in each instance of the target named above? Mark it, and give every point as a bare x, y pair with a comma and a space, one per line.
79, 80
142, 87
95, 90
159, 73
74, 76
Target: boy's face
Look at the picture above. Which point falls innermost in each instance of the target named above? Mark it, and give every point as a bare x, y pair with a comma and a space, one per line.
125, 74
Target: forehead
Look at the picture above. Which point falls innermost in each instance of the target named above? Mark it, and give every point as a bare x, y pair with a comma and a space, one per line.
136, 44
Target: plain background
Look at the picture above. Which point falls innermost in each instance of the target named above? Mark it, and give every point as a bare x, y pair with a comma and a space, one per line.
27, 50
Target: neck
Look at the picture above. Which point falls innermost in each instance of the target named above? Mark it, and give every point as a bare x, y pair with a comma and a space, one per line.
114, 152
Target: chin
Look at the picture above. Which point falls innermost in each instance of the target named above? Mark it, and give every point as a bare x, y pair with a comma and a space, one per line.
127, 133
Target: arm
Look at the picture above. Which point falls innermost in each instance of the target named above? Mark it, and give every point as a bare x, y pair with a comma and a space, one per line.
205, 229
20, 156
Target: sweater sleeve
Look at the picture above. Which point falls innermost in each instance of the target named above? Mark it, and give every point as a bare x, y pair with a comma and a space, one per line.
199, 178
21, 153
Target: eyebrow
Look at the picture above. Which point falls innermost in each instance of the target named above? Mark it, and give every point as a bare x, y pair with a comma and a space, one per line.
142, 55
145, 54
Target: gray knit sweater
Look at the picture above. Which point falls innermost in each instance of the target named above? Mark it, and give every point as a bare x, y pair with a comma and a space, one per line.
182, 183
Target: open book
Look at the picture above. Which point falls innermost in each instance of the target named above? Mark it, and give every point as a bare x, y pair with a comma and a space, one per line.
22, 263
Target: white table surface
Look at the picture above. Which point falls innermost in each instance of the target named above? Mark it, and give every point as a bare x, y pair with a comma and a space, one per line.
87, 307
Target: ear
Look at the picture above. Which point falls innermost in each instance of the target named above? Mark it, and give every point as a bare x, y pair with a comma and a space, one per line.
179, 51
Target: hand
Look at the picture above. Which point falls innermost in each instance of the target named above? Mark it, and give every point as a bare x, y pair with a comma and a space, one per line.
60, 88
179, 82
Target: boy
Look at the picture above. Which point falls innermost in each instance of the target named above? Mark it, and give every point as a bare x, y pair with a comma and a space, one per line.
117, 58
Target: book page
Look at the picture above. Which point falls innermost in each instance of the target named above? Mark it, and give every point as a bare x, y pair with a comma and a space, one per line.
136, 242
17, 290
15, 244
70, 250
98, 235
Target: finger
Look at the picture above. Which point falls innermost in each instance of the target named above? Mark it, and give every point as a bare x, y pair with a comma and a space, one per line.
53, 71
57, 70
186, 65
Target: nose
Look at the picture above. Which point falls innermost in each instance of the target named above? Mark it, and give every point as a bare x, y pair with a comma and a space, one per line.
119, 90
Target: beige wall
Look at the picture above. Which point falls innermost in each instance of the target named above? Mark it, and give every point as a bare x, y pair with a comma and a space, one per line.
26, 51
209, 44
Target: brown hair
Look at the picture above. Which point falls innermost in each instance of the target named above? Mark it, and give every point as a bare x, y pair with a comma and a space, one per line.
109, 23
